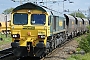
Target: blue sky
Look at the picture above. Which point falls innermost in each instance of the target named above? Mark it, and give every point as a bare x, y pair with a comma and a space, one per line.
78, 4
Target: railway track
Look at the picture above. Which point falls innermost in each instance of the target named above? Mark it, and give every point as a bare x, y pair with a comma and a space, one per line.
6, 54
56, 51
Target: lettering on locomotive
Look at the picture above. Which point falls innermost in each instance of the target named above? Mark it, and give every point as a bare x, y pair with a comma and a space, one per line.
29, 27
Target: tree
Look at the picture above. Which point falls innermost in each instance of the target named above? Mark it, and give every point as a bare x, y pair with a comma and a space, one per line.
78, 14
7, 11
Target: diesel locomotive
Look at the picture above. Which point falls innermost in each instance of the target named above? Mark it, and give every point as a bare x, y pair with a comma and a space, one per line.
36, 30
3, 27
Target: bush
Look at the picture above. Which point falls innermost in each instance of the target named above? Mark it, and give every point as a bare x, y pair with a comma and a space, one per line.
79, 57
84, 43
71, 58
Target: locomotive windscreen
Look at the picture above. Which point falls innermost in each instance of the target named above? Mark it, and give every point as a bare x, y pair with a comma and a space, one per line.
20, 19
38, 19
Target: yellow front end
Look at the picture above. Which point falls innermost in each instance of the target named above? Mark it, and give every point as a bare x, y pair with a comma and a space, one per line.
29, 32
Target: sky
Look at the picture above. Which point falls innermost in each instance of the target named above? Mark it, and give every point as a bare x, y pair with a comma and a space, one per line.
82, 5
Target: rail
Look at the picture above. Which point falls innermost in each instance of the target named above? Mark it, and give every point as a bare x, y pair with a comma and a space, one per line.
6, 52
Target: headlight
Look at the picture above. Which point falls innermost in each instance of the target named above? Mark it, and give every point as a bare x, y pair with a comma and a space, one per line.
15, 36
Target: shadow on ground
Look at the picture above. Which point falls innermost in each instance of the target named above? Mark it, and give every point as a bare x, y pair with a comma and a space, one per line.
29, 58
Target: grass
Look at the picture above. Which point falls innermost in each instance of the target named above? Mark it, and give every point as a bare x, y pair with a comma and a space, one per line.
5, 40
80, 57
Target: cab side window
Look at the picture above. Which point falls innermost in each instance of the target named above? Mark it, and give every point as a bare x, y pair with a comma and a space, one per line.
49, 20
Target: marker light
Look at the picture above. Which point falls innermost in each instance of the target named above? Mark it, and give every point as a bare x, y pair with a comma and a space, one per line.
41, 36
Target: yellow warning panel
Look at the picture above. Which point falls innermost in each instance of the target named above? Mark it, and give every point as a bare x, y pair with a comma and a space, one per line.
60, 23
